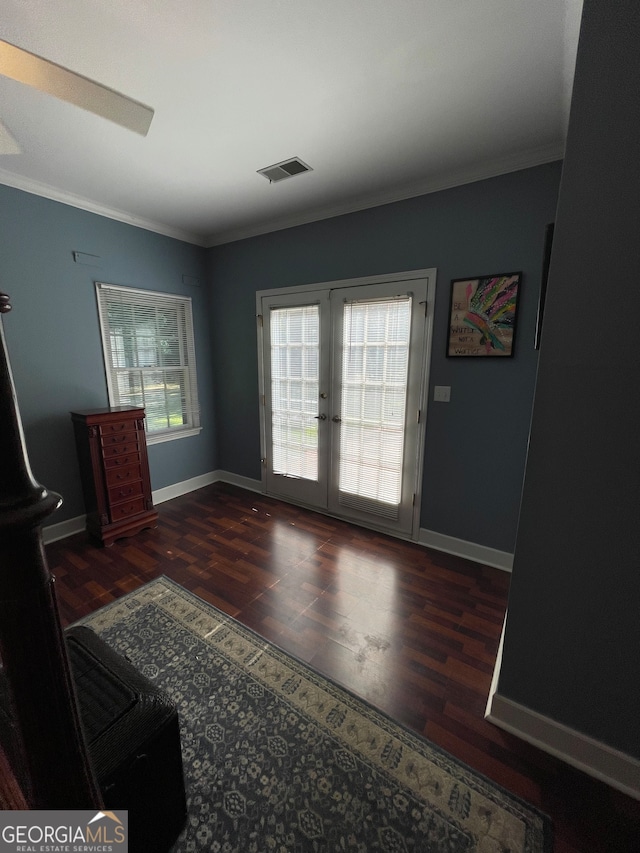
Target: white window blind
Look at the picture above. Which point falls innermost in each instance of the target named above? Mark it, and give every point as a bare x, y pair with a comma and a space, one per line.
375, 359
295, 365
149, 353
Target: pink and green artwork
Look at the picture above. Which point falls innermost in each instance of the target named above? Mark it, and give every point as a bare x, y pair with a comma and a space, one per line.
483, 315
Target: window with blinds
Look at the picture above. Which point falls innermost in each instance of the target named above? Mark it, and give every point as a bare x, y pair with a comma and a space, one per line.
149, 354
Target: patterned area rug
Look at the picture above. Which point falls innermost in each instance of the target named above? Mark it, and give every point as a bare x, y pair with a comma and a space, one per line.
277, 758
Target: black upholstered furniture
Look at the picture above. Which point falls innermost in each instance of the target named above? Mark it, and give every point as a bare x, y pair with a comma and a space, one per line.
132, 733
131, 730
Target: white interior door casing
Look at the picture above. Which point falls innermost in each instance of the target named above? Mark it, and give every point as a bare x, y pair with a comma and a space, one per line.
343, 378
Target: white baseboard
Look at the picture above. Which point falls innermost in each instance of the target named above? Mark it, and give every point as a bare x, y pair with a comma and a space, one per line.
605, 763
587, 754
62, 529
194, 483
238, 480
183, 487
429, 538
470, 550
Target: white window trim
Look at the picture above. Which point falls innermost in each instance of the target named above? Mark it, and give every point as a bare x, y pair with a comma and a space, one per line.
161, 435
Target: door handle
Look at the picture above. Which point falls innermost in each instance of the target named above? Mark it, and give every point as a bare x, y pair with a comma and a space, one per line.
320, 417
336, 419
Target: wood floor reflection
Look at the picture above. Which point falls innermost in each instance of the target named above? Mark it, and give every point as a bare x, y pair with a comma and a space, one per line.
413, 631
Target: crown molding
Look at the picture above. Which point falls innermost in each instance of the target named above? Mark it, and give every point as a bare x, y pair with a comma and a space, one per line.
28, 185
524, 160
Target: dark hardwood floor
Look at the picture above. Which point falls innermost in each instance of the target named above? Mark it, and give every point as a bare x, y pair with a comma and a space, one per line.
413, 631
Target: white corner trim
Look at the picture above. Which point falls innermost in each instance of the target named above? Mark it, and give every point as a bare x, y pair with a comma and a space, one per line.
599, 760
470, 550
62, 529
496, 669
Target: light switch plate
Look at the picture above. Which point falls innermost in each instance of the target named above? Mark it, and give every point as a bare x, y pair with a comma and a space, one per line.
442, 393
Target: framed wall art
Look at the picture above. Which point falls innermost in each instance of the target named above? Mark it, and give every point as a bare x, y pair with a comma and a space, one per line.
546, 261
483, 314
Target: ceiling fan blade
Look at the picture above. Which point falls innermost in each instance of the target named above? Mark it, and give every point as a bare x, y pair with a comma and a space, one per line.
46, 76
8, 144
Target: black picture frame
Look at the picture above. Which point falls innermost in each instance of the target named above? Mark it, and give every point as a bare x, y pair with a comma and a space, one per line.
483, 314
546, 260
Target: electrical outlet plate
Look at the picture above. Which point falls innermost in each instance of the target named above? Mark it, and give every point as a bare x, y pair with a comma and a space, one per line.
442, 393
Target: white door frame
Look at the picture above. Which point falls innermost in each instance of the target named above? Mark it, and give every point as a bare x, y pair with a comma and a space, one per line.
430, 275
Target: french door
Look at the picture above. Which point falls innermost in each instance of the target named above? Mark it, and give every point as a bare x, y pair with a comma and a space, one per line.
342, 373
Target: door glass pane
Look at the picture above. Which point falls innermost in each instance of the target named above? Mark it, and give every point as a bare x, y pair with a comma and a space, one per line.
375, 362
295, 341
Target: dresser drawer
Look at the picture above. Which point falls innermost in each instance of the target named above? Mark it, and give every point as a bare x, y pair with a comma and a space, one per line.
124, 510
121, 462
119, 475
118, 428
117, 494
119, 439
121, 449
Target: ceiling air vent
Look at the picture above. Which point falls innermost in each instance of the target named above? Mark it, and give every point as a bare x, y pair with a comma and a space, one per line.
286, 169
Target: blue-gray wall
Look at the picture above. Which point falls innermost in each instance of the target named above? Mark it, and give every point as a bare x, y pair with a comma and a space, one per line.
573, 627
53, 334
475, 445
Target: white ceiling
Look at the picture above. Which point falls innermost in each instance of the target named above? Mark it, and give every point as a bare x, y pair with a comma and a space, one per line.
384, 99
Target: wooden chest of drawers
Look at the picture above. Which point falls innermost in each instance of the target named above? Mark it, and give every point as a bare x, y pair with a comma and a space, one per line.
112, 452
